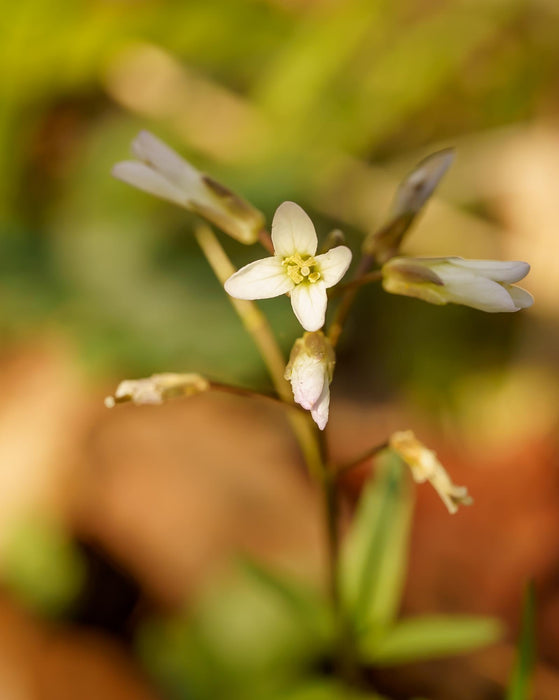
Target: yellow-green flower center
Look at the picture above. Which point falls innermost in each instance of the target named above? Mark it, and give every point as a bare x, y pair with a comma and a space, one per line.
301, 269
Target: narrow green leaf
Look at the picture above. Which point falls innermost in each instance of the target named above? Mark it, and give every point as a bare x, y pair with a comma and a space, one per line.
519, 687
420, 638
374, 555
307, 604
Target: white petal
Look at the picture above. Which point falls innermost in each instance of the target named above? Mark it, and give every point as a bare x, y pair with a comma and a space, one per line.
309, 304
153, 151
293, 231
307, 381
480, 293
511, 271
144, 178
261, 279
333, 264
320, 411
520, 297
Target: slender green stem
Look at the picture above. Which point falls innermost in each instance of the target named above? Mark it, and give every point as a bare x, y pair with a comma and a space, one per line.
330, 505
371, 452
310, 438
250, 394
342, 312
251, 317
345, 653
260, 331
373, 276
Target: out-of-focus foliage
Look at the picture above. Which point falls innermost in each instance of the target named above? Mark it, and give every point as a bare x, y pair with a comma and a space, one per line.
252, 636
521, 680
263, 636
42, 567
328, 103
375, 552
275, 99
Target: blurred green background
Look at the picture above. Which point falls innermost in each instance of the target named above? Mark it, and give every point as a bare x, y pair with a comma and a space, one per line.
325, 102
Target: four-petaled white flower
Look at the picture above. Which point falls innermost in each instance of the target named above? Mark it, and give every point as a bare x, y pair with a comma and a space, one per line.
162, 172
486, 285
294, 268
310, 370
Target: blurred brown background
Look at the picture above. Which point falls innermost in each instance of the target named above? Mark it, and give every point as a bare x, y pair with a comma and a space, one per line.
108, 518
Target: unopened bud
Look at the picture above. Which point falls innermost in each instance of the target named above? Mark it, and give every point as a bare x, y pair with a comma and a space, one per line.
160, 171
482, 284
310, 370
157, 388
412, 195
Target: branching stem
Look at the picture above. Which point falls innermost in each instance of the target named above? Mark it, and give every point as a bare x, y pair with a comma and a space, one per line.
368, 454
342, 312
250, 394
373, 276
311, 440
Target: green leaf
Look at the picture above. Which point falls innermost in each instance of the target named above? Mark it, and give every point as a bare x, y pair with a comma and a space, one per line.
427, 637
250, 636
307, 604
374, 556
259, 627
519, 687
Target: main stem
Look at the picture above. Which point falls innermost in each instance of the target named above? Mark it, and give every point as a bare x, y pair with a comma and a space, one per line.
310, 438
257, 326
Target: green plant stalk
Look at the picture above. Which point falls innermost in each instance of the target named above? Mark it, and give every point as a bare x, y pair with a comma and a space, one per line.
521, 681
310, 439
356, 461
342, 312
259, 329
345, 650
249, 394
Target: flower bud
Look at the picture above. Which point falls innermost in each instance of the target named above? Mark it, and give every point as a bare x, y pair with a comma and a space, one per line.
162, 172
413, 193
310, 370
157, 388
335, 238
482, 284
425, 466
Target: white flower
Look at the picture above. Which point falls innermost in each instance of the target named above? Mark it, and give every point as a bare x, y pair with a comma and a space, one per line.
486, 285
162, 172
294, 268
425, 466
310, 369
